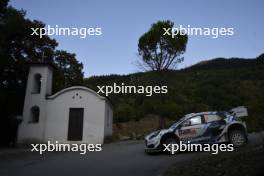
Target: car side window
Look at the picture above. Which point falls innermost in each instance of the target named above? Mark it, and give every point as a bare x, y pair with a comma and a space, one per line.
197, 120
211, 118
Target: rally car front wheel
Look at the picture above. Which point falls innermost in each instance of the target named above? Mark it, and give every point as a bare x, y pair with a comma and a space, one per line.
169, 141
237, 138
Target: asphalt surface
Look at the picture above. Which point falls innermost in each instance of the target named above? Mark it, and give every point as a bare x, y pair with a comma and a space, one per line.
124, 159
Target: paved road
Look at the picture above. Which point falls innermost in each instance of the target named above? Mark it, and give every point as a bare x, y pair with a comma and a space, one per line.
118, 159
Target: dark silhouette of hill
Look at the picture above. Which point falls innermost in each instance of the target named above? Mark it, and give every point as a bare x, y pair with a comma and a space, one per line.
217, 84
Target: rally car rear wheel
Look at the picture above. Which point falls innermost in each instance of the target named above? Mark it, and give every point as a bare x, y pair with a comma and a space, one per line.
237, 138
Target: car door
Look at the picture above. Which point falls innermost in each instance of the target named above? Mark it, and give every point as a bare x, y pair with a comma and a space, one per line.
192, 129
215, 125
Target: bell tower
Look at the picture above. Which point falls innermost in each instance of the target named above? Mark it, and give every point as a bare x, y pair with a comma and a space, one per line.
39, 85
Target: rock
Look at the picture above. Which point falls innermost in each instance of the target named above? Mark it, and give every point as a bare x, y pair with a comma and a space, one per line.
139, 136
123, 138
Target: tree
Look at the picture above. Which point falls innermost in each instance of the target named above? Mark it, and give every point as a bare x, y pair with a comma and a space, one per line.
160, 51
17, 47
69, 70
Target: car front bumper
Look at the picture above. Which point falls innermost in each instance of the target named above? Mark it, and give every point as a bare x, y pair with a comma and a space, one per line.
153, 143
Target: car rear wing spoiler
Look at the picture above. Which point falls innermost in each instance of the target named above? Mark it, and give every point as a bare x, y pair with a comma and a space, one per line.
240, 111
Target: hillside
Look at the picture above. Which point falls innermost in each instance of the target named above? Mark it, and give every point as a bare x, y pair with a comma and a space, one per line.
217, 84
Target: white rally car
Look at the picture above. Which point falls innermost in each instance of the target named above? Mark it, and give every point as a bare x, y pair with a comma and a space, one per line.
203, 127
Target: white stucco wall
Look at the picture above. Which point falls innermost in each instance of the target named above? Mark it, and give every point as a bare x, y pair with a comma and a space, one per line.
108, 120
58, 116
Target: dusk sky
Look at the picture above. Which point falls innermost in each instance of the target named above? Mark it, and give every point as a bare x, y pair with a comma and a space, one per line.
123, 22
